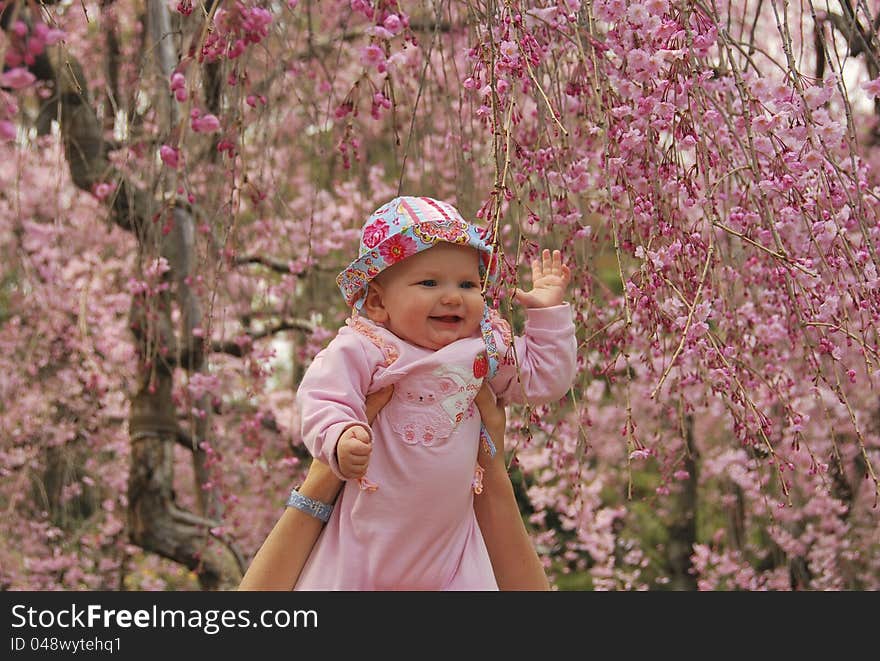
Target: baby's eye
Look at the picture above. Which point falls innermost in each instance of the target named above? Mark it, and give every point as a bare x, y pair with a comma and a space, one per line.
468, 284
428, 283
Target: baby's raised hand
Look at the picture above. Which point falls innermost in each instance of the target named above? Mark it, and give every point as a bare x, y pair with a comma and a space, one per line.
353, 452
550, 278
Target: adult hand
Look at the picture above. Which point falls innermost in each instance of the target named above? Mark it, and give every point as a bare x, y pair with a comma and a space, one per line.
494, 418
376, 401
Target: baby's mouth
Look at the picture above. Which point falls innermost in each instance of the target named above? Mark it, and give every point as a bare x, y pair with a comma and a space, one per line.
447, 319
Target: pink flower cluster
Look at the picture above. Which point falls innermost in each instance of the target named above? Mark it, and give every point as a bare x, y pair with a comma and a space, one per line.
25, 44
235, 29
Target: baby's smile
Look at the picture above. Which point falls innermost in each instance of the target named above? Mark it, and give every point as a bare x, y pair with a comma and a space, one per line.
447, 318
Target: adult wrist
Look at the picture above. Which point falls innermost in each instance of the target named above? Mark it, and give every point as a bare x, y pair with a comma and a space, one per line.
320, 483
316, 508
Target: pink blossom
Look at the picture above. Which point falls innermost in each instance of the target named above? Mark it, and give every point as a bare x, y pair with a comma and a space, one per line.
393, 24
816, 96
103, 189
537, 16
206, 124
657, 7
380, 102
17, 78
610, 10
235, 49
637, 14
363, 6
170, 156
46, 36
872, 87
372, 56
380, 32
7, 130
509, 49
178, 86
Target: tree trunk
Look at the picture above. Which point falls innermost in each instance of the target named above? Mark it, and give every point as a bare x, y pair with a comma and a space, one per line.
156, 522
683, 531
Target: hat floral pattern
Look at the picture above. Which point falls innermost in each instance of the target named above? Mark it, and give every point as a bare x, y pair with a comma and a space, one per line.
396, 248
452, 231
374, 233
401, 228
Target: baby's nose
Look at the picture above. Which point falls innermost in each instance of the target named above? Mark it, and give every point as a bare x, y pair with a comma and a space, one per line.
451, 295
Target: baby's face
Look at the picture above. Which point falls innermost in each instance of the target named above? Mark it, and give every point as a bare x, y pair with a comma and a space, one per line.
433, 297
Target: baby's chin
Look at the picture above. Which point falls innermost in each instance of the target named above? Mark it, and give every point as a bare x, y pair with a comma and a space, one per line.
440, 344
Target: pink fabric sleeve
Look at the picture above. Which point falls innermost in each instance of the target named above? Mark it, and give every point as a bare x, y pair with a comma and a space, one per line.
546, 353
332, 392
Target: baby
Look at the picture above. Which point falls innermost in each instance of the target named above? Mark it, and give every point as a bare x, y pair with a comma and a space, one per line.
404, 519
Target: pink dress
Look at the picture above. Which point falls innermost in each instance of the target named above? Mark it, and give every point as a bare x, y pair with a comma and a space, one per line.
417, 530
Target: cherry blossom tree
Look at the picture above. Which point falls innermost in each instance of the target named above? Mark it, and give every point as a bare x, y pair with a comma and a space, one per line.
184, 180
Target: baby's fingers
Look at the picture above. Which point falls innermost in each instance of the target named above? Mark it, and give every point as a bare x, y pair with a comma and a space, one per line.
557, 263
356, 463
360, 433
361, 449
547, 261
354, 471
537, 270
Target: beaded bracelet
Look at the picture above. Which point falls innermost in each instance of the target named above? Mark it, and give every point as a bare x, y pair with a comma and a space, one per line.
310, 506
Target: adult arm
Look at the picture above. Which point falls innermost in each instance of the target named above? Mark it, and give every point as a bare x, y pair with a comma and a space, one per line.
514, 560
282, 556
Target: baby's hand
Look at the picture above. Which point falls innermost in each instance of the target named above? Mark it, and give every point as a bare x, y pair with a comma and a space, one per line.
550, 278
353, 452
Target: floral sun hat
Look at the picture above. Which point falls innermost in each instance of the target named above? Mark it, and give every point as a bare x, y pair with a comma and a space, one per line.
408, 225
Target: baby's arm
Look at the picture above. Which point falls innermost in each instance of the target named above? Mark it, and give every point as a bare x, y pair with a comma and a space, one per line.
546, 353
331, 399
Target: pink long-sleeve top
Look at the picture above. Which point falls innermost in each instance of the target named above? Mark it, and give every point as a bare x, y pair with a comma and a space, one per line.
417, 530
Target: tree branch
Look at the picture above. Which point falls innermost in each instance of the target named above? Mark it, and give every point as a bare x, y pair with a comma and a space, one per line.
235, 349
280, 266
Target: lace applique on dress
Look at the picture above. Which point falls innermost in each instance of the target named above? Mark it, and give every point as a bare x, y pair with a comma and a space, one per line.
389, 351
501, 324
